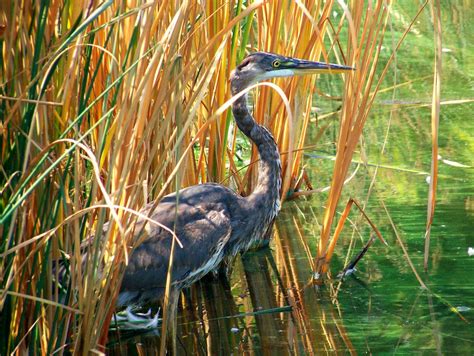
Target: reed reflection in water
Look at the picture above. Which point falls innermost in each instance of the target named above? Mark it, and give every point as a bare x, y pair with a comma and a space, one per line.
266, 306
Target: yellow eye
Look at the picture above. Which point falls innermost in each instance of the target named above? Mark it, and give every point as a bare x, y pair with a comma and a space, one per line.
276, 63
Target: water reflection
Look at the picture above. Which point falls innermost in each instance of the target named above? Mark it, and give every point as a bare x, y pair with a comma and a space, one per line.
267, 306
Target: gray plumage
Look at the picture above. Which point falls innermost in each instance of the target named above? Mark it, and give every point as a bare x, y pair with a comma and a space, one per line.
211, 221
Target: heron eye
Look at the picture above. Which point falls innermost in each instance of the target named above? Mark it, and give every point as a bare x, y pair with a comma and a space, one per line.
276, 63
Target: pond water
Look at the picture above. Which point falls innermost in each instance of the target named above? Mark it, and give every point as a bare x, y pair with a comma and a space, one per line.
268, 306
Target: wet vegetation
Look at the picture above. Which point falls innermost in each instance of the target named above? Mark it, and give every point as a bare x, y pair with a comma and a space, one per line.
105, 106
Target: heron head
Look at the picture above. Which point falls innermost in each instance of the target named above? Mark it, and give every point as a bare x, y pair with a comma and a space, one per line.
261, 65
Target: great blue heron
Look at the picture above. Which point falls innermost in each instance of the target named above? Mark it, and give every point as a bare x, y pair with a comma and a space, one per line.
211, 220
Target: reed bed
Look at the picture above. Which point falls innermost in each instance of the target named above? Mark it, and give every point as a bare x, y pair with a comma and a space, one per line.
106, 106
102, 104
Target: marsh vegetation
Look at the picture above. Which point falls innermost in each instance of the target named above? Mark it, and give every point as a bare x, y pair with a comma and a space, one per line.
105, 106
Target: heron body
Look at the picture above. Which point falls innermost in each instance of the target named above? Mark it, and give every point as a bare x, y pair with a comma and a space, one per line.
211, 221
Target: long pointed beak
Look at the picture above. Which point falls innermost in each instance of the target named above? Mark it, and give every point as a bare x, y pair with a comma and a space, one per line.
304, 67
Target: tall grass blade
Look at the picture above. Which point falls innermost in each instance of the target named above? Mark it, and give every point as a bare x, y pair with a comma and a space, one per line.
435, 7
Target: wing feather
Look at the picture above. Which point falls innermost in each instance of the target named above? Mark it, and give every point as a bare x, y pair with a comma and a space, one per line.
203, 229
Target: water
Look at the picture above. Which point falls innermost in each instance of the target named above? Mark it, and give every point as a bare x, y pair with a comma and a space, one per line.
268, 305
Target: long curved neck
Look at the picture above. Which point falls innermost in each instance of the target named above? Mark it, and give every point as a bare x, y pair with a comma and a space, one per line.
267, 192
